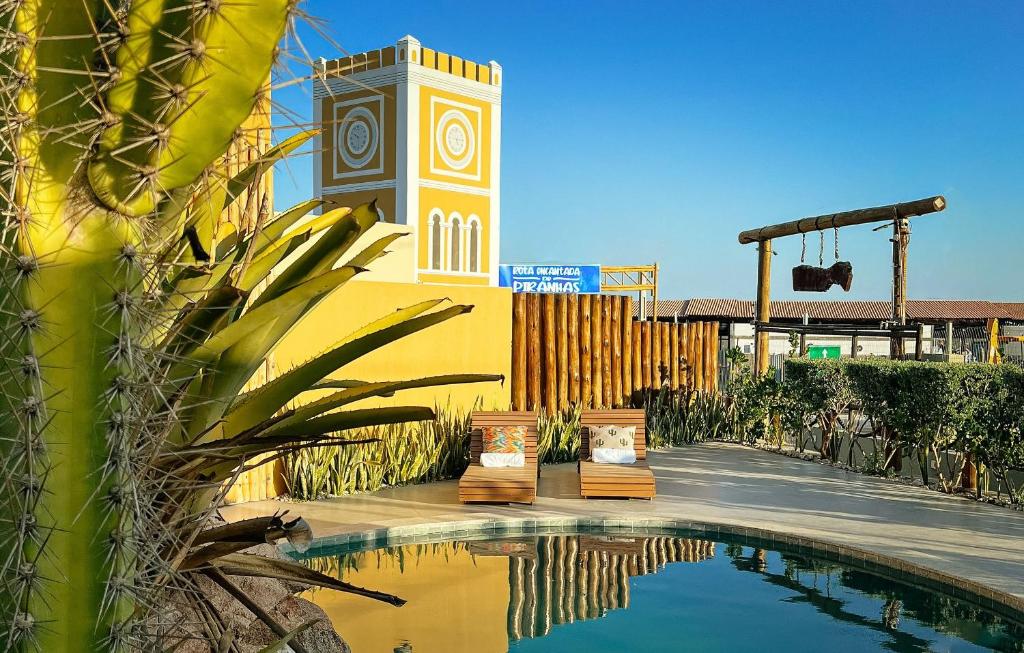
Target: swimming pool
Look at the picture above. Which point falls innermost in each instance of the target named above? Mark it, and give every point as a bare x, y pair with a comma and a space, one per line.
613, 592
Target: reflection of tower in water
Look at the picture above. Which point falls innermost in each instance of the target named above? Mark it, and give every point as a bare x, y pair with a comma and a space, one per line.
557, 580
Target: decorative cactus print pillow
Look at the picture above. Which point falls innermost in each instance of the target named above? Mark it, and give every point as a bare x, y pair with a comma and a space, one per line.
504, 439
612, 437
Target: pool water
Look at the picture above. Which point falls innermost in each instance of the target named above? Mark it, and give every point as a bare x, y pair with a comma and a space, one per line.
626, 592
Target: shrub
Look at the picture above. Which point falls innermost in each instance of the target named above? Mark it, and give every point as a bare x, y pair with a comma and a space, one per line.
933, 408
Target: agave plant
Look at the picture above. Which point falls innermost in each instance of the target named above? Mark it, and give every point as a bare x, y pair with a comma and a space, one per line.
132, 322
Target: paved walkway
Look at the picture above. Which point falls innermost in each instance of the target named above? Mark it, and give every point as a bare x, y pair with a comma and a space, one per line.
729, 484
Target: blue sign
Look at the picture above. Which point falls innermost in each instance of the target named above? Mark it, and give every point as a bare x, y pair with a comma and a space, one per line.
564, 279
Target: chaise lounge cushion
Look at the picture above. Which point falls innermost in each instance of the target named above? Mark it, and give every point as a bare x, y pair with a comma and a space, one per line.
611, 436
504, 439
614, 456
502, 459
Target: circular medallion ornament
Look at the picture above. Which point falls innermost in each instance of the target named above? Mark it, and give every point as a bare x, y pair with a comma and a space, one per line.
454, 139
358, 137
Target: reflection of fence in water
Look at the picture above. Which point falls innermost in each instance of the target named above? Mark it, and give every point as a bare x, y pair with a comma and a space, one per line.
563, 579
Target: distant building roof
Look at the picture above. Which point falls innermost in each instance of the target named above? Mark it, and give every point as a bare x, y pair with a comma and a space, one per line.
919, 310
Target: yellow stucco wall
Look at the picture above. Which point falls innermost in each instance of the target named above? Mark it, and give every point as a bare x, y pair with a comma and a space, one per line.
477, 342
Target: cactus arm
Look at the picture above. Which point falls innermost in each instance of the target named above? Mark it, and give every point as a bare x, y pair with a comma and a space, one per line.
165, 140
76, 267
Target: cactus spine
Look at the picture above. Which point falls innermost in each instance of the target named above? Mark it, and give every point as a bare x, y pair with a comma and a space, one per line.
129, 329
106, 116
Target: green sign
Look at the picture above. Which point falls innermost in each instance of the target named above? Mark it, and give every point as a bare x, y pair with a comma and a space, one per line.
817, 352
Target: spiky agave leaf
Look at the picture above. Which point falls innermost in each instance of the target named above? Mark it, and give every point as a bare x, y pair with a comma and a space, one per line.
122, 311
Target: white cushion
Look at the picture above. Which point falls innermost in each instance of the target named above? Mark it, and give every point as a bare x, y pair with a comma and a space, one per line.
614, 456
611, 436
503, 459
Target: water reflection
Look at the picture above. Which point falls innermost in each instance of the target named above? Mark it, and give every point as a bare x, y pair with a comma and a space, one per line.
636, 593
563, 579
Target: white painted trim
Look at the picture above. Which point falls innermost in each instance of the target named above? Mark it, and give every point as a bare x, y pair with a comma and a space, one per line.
454, 273
402, 155
409, 72
435, 145
494, 219
359, 186
474, 219
455, 188
318, 147
336, 126
434, 213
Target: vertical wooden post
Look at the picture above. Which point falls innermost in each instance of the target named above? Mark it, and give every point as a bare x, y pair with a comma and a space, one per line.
519, 368
715, 349
949, 338
666, 352
763, 314
534, 359
709, 362
684, 356
645, 354
585, 356
900, 240
596, 352
698, 356
562, 333
919, 343
854, 344
606, 351
616, 327
655, 379
636, 361
626, 322
673, 352
550, 356
573, 327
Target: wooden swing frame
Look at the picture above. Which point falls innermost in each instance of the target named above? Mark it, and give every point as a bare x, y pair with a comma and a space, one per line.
898, 214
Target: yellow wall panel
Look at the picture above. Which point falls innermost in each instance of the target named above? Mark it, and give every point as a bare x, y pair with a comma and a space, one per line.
434, 105
477, 342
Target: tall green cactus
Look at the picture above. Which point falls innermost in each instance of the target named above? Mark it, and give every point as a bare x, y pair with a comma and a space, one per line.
125, 352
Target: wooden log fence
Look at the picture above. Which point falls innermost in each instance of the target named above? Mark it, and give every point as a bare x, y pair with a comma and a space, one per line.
588, 350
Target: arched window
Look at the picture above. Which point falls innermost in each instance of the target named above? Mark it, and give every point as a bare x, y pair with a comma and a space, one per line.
436, 239
455, 262
474, 244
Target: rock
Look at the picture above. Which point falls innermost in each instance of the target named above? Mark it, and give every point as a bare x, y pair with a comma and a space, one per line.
276, 597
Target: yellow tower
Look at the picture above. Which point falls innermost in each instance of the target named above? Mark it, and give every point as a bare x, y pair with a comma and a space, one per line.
420, 131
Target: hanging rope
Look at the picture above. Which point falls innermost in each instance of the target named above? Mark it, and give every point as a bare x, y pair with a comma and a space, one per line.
821, 249
803, 247
835, 237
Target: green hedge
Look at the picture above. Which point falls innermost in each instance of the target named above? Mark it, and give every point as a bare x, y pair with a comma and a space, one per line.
972, 408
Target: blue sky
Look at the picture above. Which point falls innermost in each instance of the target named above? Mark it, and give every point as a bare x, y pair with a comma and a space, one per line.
656, 132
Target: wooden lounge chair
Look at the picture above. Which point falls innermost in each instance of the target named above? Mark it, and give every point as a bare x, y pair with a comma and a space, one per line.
500, 484
634, 481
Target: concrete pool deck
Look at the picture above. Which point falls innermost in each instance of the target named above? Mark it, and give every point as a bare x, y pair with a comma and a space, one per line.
735, 486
